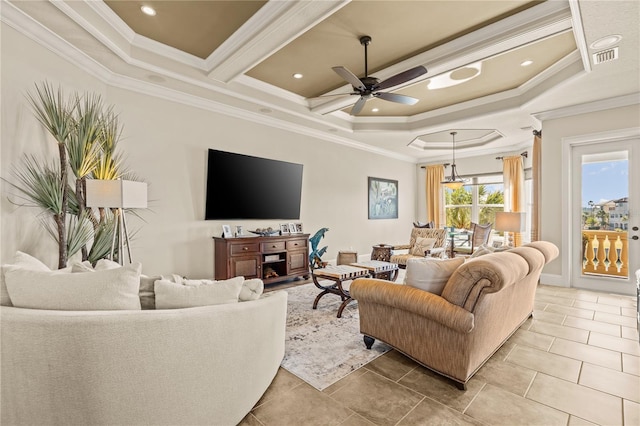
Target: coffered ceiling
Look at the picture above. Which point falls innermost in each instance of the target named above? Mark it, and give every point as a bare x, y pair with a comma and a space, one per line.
491, 65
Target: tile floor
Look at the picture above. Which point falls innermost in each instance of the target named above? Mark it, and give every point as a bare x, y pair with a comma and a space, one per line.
576, 362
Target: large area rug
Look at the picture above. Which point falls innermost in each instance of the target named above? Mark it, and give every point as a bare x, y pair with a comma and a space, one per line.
320, 348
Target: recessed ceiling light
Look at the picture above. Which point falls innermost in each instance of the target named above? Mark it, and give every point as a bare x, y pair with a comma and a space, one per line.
375, 109
297, 75
148, 10
606, 41
526, 63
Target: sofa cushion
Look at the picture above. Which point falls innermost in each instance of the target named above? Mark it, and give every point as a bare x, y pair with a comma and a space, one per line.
431, 274
192, 293
421, 246
115, 289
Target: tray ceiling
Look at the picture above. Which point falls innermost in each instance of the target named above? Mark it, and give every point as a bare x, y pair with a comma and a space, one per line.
239, 57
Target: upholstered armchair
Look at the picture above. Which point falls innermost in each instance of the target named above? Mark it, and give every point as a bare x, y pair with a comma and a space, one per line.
423, 242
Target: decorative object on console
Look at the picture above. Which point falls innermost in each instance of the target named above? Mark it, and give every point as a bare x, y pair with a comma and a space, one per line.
226, 231
264, 232
117, 194
383, 198
510, 222
284, 228
239, 231
292, 228
315, 254
454, 181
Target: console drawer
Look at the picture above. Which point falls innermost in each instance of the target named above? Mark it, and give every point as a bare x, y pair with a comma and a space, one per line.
273, 246
296, 244
245, 248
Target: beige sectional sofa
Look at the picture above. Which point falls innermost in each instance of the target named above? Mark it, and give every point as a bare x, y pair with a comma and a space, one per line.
482, 304
192, 366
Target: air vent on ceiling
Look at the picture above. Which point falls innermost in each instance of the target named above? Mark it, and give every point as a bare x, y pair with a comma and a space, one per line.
605, 56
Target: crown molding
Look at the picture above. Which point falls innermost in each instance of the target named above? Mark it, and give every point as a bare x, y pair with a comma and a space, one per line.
579, 35
588, 107
33, 30
273, 26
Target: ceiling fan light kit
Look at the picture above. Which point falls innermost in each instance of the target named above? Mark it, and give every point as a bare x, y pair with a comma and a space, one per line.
369, 87
454, 181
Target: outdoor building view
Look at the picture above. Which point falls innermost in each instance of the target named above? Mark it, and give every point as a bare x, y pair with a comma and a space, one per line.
605, 216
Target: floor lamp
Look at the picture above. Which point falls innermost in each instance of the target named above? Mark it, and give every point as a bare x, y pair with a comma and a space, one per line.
119, 195
510, 222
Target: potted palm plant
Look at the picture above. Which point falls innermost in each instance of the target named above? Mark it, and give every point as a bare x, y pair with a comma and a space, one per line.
86, 133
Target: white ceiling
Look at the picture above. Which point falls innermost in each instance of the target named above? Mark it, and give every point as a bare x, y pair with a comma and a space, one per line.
239, 78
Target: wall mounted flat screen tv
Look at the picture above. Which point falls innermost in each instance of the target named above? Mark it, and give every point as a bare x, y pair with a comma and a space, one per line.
245, 187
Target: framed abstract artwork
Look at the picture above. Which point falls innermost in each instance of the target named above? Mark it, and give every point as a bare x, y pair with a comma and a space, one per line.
383, 198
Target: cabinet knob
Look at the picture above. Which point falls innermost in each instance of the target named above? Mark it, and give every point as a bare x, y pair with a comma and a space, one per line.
245, 248
273, 246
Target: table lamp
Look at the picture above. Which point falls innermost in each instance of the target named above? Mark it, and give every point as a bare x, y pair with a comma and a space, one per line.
117, 194
510, 222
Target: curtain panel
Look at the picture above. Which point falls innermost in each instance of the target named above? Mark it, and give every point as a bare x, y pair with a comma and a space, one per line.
434, 195
513, 170
537, 184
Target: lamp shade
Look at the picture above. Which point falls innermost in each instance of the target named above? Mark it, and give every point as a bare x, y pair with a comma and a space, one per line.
511, 221
124, 194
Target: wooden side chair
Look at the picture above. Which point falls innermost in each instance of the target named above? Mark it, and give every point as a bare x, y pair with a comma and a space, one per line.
481, 235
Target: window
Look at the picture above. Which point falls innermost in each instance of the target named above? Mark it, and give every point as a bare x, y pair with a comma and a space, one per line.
477, 202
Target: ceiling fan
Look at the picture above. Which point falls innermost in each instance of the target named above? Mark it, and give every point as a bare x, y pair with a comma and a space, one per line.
369, 87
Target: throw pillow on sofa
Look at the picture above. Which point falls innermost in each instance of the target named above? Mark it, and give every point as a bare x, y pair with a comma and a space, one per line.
115, 289
22, 260
251, 290
482, 250
192, 293
431, 274
422, 245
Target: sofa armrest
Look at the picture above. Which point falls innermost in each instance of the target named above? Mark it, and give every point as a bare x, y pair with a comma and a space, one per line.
419, 302
401, 247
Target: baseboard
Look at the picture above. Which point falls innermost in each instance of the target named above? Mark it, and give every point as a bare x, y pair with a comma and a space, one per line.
553, 279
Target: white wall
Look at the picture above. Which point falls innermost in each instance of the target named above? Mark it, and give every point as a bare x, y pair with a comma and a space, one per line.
552, 164
166, 143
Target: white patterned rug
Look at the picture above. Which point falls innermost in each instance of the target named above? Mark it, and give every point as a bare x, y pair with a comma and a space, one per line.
320, 348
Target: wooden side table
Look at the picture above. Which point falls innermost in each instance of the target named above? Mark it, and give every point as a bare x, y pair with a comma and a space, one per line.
337, 274
382, 252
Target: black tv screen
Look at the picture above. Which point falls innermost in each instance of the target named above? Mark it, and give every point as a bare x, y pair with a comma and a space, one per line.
245, 187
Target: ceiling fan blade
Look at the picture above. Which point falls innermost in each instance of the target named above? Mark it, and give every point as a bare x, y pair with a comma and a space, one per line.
349, 77
401, 99
401, 78
332, 96
357, 107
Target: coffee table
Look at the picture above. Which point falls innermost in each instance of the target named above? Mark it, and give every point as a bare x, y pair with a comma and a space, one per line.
337, 274
379, 269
